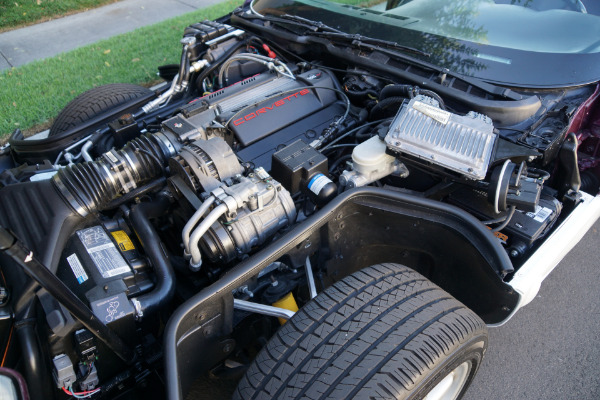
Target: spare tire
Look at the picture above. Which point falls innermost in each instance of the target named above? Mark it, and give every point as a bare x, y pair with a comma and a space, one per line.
385, 332
94, 102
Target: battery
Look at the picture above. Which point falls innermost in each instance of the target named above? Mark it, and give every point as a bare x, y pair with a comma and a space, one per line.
98, 263
524, 226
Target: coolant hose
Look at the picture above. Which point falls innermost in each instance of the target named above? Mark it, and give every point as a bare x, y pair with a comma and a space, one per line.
386, 108
37, 373
396, 91
165, 277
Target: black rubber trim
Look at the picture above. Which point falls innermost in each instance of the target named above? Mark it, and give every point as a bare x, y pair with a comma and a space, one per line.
503, 112
33, 151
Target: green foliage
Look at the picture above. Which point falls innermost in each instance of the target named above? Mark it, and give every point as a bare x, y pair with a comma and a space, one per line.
33, 93
14, 13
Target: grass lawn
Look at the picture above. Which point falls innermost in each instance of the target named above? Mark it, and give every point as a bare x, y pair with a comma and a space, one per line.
18, 13
32, 94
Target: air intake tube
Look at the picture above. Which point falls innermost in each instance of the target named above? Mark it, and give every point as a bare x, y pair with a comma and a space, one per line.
90, 186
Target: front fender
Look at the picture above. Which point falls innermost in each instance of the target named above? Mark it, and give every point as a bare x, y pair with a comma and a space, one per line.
360, 227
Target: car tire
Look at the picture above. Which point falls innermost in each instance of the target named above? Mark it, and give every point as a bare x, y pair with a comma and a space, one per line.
384, 332
95, 102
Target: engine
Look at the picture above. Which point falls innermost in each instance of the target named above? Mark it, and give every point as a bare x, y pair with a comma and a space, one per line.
158, 202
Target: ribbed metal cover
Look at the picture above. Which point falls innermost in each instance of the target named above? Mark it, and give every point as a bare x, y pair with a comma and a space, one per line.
256, 93
460, 143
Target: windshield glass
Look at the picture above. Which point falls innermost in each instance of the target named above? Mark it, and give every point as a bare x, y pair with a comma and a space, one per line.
514, 42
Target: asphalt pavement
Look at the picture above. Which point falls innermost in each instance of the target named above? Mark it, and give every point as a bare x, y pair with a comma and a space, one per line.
551, 348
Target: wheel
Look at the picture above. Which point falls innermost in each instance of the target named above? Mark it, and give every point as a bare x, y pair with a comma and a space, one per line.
385, 332
95, 102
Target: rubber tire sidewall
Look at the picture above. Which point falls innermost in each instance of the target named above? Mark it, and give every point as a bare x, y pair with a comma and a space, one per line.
87, 106
473, 351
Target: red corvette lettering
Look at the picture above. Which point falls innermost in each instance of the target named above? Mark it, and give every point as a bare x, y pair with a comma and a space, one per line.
264, 110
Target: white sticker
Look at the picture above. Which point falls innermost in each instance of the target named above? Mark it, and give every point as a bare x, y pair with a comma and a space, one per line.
438, 114
77, 268
42, 176
541, 214
317, 183
103, 252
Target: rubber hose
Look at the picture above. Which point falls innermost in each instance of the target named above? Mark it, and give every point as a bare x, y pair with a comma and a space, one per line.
117, 202
509, 216
37, 373
589, 182
93, 185
382, 109
217, 64
165, 277
360, 95
396, 91
409, 91
340, 160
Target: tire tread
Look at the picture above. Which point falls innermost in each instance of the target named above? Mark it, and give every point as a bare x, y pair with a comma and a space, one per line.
94, 102
346, 343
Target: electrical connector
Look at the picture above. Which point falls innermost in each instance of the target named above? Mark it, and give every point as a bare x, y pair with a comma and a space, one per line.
64, 374
90, 375
85, 345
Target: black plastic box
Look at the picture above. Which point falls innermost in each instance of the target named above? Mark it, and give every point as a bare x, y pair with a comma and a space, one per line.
295, 164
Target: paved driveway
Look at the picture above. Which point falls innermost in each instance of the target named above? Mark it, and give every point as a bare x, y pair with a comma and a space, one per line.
551, 348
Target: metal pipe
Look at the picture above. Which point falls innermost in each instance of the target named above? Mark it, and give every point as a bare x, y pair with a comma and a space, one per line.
85, 151
61, 292
187, 229
215, 214
160, 99
262, 309
310, 278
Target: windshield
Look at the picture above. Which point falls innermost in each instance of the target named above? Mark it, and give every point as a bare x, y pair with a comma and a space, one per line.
529, 43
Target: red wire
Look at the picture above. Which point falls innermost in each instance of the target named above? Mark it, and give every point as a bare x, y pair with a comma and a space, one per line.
79, 393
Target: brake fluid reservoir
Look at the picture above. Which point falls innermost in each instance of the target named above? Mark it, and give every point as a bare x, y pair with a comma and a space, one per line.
370, 156
370, 162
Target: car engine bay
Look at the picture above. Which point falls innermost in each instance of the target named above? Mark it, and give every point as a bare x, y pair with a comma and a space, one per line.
162, 196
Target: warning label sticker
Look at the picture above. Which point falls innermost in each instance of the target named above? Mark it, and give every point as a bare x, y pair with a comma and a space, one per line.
77, 268
438, 114
124, 242
103, 252
541, 214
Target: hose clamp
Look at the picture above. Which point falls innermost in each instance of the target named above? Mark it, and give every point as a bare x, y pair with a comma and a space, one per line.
137, 306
